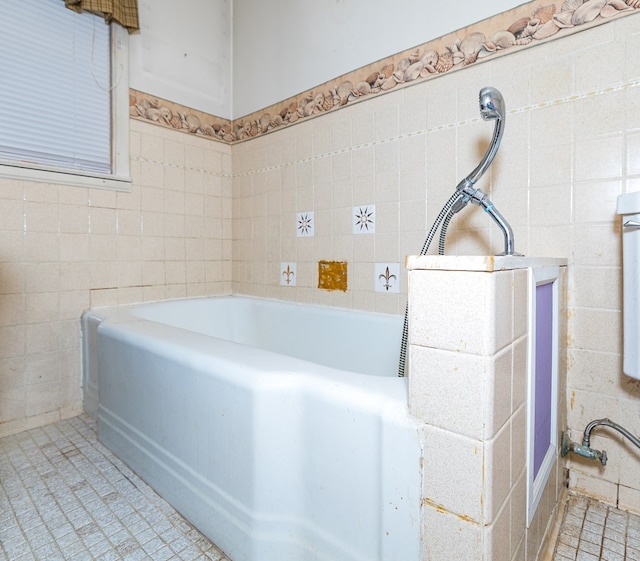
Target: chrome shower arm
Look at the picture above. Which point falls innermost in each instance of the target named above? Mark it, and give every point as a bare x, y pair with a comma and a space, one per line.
509, 243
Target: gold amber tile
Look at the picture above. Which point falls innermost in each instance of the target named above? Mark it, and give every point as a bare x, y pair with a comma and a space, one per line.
332, 275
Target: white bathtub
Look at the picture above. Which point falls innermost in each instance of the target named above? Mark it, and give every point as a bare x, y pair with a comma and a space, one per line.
280, 430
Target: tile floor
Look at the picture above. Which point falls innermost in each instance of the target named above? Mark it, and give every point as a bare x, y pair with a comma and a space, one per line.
593, 531
64, 496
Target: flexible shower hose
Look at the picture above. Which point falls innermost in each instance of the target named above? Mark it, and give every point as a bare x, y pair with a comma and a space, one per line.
444, 217
586, 441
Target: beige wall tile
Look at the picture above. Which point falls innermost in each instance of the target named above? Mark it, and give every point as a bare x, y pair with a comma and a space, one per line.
84, 247
435, 375
448, 457
497, 481
441, 529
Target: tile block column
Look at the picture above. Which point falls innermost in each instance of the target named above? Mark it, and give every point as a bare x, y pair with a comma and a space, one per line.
467, 355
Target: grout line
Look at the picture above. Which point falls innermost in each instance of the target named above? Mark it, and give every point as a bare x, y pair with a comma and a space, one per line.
578, 97
527, 108
180, 167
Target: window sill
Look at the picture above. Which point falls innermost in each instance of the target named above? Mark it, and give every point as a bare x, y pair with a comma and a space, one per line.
64, 177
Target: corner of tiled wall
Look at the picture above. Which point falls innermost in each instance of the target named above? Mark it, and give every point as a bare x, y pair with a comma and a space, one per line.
64, 249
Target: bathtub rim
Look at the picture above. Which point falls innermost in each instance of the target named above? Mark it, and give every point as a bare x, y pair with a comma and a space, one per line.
123, 316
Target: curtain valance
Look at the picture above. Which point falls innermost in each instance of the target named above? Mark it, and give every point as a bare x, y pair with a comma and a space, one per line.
125, 12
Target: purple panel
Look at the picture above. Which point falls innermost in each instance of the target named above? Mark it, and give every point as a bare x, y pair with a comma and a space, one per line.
543, 374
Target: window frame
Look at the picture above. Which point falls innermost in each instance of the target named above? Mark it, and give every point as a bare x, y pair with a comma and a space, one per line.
119, 179
537, 482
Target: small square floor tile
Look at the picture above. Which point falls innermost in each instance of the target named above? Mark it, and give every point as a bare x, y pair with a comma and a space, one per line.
594, 531
63, 496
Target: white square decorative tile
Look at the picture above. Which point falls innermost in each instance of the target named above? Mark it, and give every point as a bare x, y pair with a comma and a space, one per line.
288, 274
364, 219
305, 224
387, 277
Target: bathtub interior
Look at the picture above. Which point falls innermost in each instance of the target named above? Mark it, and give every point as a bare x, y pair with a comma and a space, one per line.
271, 456
350, 340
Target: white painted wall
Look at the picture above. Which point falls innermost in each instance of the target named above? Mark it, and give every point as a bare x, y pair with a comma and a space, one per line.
183, 53
284, 47
232, 57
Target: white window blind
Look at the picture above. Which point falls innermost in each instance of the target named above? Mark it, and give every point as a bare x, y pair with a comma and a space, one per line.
55, 87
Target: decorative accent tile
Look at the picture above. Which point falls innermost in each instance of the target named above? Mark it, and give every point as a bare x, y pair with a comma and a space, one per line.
364, 219
387, 277
305, 224
525, 26
332, 275
288, 274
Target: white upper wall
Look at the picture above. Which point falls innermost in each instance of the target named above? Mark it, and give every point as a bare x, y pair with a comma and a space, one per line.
233, 57
183, 53
284, 47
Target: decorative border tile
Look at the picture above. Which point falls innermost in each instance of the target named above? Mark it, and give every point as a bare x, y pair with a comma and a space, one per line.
527, 25
145, 107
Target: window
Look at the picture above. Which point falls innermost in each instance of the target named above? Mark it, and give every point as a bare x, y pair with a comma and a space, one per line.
542, 403
63, 96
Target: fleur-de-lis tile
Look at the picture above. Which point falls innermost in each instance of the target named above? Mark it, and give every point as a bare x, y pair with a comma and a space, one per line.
387, 277
288, 274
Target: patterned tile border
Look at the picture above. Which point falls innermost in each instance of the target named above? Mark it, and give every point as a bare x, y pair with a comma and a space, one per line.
145, 107
527, 25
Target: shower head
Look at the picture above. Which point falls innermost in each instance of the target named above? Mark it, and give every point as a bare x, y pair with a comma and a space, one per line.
491, 109
491, 104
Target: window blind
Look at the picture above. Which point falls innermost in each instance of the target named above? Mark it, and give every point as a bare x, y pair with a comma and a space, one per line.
54, 87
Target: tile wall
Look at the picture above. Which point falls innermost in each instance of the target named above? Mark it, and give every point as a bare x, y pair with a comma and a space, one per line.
64, 249
571, 145
472, 354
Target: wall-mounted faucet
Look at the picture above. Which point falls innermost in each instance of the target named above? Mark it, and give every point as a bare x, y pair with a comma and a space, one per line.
582, 450
585, 449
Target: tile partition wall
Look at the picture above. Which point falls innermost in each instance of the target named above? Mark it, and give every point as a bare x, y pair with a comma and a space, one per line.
476, 350
64, 249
